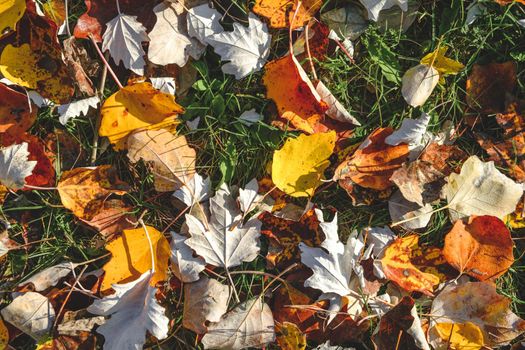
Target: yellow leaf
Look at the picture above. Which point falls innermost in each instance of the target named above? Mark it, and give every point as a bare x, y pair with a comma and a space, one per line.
10, 13
134, 107
299, 165
4, 335
290, 337
460, 336
442, 64
131, 257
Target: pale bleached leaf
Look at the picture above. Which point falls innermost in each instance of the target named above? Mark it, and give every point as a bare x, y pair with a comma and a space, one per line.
401, 209
250, 117
375, 6
170, 42
246, 48
164, 84
123, 38
224, 240
74, 328
186, 266
411, 132
418, 83
250, 324
49, 277
133, 310
15, 166
203, 22
480, 189
30, 312
205, 300
335, 110
76, 109
194, 191
248, 196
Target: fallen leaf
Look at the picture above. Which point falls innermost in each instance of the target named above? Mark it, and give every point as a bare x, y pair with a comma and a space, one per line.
17, 115
488, 85
10, 13
375, 6
110, 217
6, 244
30, 312
294, 94
250, 324
418, 83
76, 109
136, 106
290, 337
284, 13
194, 191
441, 63
123, 39
411, 132
401, 328
419, 182
83, 188
246, 48
169, 39
203, 23
78, 61
480, 189
49, 277
131, 257
4, 335
459, 336
481, 247
318, 42
398, 267
479, 304
298, 167
224, 240
508, 2
401, 209
205, 301
133, 310
15, 165
373, 163
173, 161
335, 109
185, 266
76, 327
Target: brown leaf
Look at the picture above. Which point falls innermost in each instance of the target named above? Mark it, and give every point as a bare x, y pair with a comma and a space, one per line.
481, 248
76, 58
17, 115
110, 218
419, 182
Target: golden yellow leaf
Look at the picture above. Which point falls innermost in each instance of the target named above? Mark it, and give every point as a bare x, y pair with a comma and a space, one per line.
131, 257
290, 337
299, 165
460, 336
10, 13
442, 64
134, 107
4, 335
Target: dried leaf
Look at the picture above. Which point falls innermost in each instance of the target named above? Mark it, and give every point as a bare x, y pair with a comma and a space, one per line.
459, 336
374, 6
16, 113
418, 84
49, 277
10, 13
76, 109
15, 165
290, 337
281, 12
185, 266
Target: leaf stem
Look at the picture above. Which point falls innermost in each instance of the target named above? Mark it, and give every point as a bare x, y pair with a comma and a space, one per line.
101, 55
150, 246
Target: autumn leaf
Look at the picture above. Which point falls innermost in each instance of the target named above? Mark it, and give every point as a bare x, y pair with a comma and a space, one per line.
17, 115
292, 91
298, 167
131, 257
136, 106
15, 166
398, 267
289, 336
480, 247
280, 13
459, 336
110, 217
418, 83
4, 335
10, 13
441, 63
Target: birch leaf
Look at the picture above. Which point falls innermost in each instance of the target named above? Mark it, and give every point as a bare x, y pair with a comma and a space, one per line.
186, 266
76, 109
224, 241
15, 166
418, 83
133, 310
123, 38
205, 300
248, 325
246, 48
169, 40
480, 189
203, 22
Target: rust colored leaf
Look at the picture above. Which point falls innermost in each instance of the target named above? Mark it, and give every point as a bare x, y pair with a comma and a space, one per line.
318, 42
280, 13
16, 113
110, 218
373, 163
399, 267
488, 85
481, 248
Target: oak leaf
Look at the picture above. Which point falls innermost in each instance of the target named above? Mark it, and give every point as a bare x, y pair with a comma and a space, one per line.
281, 13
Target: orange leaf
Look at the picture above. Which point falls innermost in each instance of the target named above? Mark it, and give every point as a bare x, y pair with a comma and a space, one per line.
16, 114
481, 248
281, 12
292, 91
374, 162
398, 266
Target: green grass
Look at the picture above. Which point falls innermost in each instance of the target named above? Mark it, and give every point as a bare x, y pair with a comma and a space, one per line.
231, 152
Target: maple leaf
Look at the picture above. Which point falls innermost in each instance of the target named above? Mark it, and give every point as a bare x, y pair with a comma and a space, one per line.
418, 83
123, 38
194, 191
250, 324
246, 48
15, 165
133, 310
186, 266
203, 23
76, 109
375, 6
223, 240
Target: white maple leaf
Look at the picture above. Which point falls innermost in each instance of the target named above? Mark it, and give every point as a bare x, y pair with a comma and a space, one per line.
411, 131
194, 191
248, 196
186, 266
133, 310
203, 22
169, 39
164, 84
375, 6
418, 83
246, 48
123, 38
224, 241
15, 166
248, 325
76, 109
